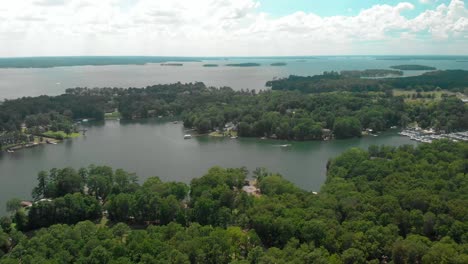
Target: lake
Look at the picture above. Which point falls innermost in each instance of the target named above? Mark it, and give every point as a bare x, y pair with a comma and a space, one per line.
16, 82
157, 148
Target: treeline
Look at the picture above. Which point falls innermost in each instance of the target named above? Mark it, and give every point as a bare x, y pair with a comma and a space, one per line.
276, 114
371, 73
400, 205
168, 100
290, 115
282, 114
295, 116
14, 112
452, 80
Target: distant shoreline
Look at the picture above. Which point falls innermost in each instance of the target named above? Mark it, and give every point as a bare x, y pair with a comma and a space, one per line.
72, 61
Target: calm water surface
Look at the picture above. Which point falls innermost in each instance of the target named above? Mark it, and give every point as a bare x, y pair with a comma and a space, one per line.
155, 148
52, 81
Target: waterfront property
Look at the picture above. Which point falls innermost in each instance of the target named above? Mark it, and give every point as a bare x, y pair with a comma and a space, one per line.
153, 147
428, 135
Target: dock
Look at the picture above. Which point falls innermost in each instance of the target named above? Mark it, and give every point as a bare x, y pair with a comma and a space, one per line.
427, 136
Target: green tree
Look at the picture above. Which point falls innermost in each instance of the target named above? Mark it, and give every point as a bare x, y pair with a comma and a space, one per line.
347, 128
120, 207
5, 223
13, 205
21, 220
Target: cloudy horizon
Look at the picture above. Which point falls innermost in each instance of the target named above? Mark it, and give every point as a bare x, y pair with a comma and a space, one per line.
232, 28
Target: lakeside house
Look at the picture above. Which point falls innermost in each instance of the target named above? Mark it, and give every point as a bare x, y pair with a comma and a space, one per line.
26, 204
251, 188
327, 134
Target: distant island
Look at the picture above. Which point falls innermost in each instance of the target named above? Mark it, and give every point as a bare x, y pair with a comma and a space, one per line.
172, 64
210, 65
278, 64
372, 73
69, 61
413, 67
421, 57
247, 64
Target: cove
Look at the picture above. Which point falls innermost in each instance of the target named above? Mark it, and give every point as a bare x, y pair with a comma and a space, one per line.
157, 148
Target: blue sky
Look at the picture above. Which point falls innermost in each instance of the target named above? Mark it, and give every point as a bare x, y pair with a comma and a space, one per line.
338, 7
232, 27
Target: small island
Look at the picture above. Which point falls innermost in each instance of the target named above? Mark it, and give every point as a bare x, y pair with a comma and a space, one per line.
278, 64
247, 64
172, 64
411, 67
210, 65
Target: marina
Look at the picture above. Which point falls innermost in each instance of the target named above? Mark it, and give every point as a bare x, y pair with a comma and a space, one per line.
427, 136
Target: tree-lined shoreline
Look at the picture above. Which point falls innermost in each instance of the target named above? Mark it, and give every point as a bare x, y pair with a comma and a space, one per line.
331, 105
383, 204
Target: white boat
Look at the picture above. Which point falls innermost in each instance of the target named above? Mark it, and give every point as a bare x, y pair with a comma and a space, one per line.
187, 136
233, 137
285, 145
85, 120
10, 151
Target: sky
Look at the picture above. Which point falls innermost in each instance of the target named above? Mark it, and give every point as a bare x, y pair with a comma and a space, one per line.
232, 27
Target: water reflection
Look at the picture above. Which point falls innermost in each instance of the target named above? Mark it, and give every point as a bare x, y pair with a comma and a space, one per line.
154, 147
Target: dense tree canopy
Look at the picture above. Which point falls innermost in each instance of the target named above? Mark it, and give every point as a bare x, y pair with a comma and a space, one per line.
402, 204
283, 113
453, 80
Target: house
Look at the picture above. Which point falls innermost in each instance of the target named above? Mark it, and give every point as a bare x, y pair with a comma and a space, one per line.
26, 204
327, 134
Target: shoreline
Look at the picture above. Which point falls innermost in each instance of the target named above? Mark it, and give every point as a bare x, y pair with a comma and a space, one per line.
36, 143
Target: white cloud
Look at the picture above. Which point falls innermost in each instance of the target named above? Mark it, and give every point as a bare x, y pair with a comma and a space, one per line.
50, 2
425, 1
221, 27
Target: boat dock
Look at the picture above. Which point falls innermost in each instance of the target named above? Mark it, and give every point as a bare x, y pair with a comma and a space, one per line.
427, 136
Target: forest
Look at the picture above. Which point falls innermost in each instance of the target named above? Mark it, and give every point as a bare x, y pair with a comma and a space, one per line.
348, 106
24, 118
413, 67
387, 204
451, 80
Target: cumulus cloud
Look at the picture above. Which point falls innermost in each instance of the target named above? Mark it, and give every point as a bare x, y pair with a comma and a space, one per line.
222, 27
50, 2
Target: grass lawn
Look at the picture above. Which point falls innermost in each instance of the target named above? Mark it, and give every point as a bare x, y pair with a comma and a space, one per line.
223, 134
60, 134
438, 94
113, 115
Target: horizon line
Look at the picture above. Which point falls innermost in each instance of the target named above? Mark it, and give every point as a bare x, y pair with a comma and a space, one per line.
237, 56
